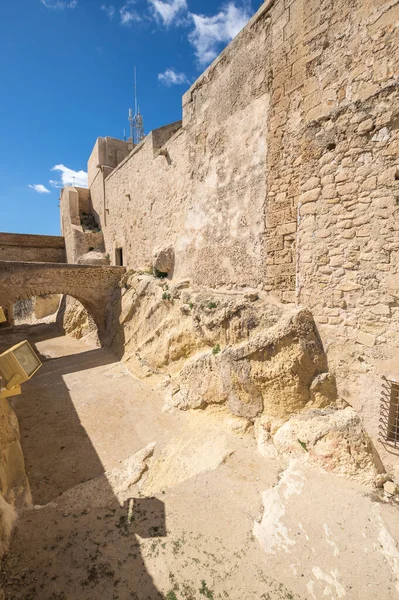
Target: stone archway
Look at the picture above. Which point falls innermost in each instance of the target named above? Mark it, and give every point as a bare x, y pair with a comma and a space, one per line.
93, 286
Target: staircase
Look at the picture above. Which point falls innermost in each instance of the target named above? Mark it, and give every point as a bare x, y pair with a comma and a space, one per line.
89, 224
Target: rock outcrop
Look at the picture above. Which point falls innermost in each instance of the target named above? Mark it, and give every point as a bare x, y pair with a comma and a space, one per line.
76, 321
164, 260
14, 485
272, 372
262, 361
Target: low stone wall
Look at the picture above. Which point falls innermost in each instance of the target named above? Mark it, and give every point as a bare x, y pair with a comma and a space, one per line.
32, 248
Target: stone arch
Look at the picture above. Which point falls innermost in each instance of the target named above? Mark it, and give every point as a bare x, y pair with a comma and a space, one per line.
93, 286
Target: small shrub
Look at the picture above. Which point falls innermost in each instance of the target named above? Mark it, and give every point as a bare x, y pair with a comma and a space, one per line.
171, 595
107, 256
191, 305
212, 305
216, 349
166, 296
159, 274
205, 591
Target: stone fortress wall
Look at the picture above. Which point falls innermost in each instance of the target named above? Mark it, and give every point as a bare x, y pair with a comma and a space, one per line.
32, 248
283, 176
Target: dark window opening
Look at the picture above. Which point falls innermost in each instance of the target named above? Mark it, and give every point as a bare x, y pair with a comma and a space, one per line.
393, 415
119, 257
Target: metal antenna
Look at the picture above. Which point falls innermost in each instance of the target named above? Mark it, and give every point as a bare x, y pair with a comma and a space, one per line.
135, 91
136, 122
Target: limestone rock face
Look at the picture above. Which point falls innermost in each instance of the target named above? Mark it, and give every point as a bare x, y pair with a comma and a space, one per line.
160, 326
332, 438
14, 485
164, 260
93, 257
242, 351
77, 322
271, 373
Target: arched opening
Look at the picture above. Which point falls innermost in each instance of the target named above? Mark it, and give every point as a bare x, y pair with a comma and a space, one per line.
54, 315
77, 322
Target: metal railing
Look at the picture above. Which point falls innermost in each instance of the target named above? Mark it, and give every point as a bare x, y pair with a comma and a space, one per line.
389, 413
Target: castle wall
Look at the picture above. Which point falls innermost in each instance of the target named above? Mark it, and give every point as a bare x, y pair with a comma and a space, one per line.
74, 203
285, 176
206, 196
348, 234
31, 248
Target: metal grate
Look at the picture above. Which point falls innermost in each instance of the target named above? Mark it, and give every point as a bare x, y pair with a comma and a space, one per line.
389, 413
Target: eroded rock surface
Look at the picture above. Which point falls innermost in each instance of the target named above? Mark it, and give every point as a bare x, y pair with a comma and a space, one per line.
261, 360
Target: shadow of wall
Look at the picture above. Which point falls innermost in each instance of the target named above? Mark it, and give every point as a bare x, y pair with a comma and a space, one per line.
81, 542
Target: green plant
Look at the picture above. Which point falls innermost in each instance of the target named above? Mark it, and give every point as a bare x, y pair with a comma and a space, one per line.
171, 595
126, 285
160, 274
212, 305
166, 296
107, 256
205, 591
303, 445
191, 305
216, 349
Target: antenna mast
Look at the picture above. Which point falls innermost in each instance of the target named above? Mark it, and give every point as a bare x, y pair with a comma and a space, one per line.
136, 121
135, 91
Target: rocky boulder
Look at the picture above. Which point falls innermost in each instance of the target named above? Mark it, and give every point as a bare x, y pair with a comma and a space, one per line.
273, 372
164, 260
331, 438
93, 257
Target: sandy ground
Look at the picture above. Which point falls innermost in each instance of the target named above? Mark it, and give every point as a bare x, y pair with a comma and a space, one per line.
209, 518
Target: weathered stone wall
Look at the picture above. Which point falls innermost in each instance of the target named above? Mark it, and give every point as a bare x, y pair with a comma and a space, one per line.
284, 176
206, 195
76, 202
348, 238
32, 248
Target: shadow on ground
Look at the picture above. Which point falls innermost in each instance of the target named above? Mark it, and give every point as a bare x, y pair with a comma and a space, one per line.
85, 553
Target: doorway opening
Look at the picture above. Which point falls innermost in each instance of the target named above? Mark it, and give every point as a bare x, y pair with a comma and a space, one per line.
119, 257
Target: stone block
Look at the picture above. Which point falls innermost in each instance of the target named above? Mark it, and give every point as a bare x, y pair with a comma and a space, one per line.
310, 196
366, 339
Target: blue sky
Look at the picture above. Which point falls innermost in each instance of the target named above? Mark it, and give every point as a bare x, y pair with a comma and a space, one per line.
67, 78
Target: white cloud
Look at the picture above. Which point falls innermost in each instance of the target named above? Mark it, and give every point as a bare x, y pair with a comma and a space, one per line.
39, 188
59, 4
169, 11
109, 11
210, 32
69, 177
128, 15
171, 77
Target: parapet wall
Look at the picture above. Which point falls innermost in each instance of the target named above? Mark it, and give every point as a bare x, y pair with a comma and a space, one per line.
32, 248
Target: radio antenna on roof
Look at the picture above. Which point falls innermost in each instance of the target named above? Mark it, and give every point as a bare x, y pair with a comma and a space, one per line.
136, 121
